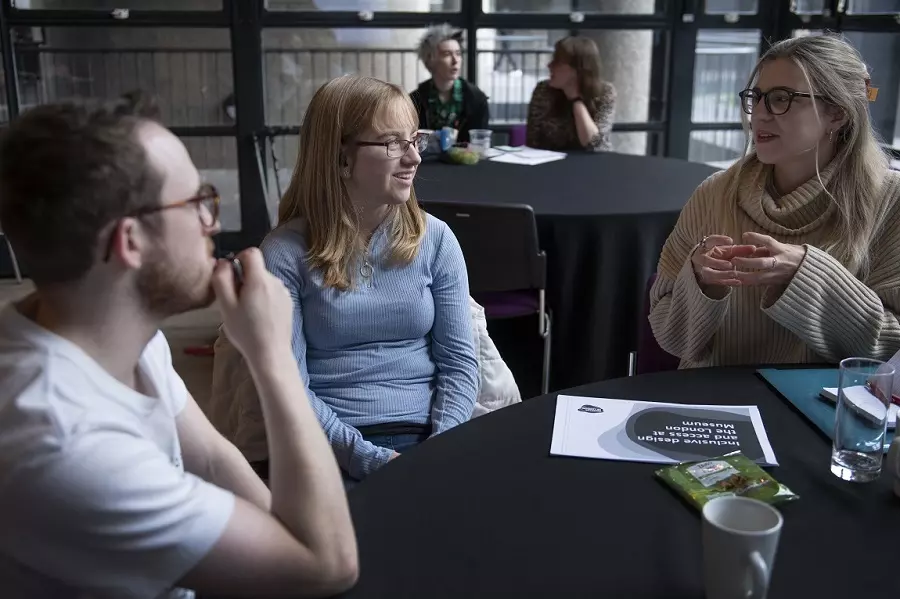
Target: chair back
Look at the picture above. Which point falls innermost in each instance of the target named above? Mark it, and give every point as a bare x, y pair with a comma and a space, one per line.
650, 356
499, 243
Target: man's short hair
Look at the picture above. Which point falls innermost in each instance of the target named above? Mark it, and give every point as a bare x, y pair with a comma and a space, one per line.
66, 172
434, 36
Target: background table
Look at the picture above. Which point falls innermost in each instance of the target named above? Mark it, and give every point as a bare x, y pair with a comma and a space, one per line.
602, 219
484, 511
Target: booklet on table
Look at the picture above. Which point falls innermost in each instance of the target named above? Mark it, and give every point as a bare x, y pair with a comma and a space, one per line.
665, 433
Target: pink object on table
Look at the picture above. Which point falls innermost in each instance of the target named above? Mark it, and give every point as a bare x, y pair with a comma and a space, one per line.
517, 135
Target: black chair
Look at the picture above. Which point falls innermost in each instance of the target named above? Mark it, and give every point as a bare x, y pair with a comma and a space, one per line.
507, 269
12, 258
649, 357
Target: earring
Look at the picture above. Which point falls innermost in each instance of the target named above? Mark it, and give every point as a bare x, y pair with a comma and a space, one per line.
830, 134
345, 172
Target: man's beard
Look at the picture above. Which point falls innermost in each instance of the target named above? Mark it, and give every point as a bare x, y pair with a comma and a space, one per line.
168, 288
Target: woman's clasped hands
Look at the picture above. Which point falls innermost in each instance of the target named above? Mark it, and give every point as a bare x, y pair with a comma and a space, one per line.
760, 260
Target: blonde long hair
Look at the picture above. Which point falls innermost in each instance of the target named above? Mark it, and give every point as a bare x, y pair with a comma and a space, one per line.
339, 112
835, 71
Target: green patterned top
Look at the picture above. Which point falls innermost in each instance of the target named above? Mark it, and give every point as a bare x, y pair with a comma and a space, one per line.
445, 114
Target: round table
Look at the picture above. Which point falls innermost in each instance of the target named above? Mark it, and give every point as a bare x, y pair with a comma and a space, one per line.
602, 220
483, 510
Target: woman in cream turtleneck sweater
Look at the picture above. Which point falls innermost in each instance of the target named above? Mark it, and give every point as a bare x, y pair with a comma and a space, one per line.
792, 255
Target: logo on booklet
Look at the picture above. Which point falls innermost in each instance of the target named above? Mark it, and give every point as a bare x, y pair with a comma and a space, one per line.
590, 409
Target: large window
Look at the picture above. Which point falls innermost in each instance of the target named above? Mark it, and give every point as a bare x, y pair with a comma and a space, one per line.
109, 5
365, 5
809, 7
881, 51
296, 62
731, 6
873, 7
234, 77
512, 61
723, 62
606, 7
216, 159
190, 70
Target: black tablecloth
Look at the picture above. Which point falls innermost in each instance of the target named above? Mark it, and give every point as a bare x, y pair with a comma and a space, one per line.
484, 511
602, 219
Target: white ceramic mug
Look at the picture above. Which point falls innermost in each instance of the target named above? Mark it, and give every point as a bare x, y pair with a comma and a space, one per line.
740, 538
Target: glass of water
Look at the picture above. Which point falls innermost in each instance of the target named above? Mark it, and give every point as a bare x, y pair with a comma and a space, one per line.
480, 139
860, 422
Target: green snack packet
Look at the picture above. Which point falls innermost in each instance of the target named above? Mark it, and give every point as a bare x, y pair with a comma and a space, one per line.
729, 475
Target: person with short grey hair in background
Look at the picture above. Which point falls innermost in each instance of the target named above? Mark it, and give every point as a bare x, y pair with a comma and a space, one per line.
446, 100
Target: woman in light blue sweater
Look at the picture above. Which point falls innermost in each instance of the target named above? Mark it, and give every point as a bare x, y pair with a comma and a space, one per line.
382, 329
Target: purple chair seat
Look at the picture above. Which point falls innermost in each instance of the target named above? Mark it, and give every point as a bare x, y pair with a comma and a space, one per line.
650, 356
508, 304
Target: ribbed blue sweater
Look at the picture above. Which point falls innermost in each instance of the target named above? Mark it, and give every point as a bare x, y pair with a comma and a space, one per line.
396, 347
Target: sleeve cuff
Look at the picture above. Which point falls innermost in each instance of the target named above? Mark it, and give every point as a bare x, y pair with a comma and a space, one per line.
363, 465
827, 307
694, 294
804, 289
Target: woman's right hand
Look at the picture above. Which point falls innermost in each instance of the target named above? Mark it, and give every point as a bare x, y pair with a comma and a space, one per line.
712, 264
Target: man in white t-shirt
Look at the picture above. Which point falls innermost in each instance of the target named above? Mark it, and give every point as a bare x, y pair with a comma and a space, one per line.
112, 481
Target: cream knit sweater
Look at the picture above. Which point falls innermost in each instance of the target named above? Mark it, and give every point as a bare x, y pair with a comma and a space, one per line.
824, 314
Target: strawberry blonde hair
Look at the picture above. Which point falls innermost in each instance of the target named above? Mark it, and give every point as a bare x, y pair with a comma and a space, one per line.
340, 111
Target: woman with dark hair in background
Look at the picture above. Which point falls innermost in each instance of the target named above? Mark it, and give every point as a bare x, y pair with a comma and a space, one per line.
573, 109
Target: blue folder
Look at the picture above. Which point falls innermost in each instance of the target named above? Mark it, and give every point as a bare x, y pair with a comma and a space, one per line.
802, 386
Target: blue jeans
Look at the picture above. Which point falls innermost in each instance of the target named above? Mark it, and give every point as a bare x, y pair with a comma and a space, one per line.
398, 443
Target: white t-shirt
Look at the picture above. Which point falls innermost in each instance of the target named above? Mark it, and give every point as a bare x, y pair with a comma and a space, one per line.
94, 500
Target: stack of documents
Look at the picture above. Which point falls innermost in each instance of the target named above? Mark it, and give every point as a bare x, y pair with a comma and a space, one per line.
528, 156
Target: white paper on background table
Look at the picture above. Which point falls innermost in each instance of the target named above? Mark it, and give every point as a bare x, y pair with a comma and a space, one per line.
663, 433
491, 152
529, 156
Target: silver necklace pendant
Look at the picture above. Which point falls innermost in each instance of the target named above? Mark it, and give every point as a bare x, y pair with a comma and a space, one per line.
366, 270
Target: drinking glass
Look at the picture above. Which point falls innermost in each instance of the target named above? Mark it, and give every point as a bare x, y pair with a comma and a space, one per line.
480, 139
860, 421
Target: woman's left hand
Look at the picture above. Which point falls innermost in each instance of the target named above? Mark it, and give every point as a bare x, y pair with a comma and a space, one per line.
773, 263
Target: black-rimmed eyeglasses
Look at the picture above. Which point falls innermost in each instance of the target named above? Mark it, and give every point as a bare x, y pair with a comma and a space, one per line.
778, 100
396, 148
206, 201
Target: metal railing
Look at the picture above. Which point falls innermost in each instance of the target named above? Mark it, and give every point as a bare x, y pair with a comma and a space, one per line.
191, 84
293, 76
194, 85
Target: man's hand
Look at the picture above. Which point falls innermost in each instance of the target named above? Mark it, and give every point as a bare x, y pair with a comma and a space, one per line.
258, 318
